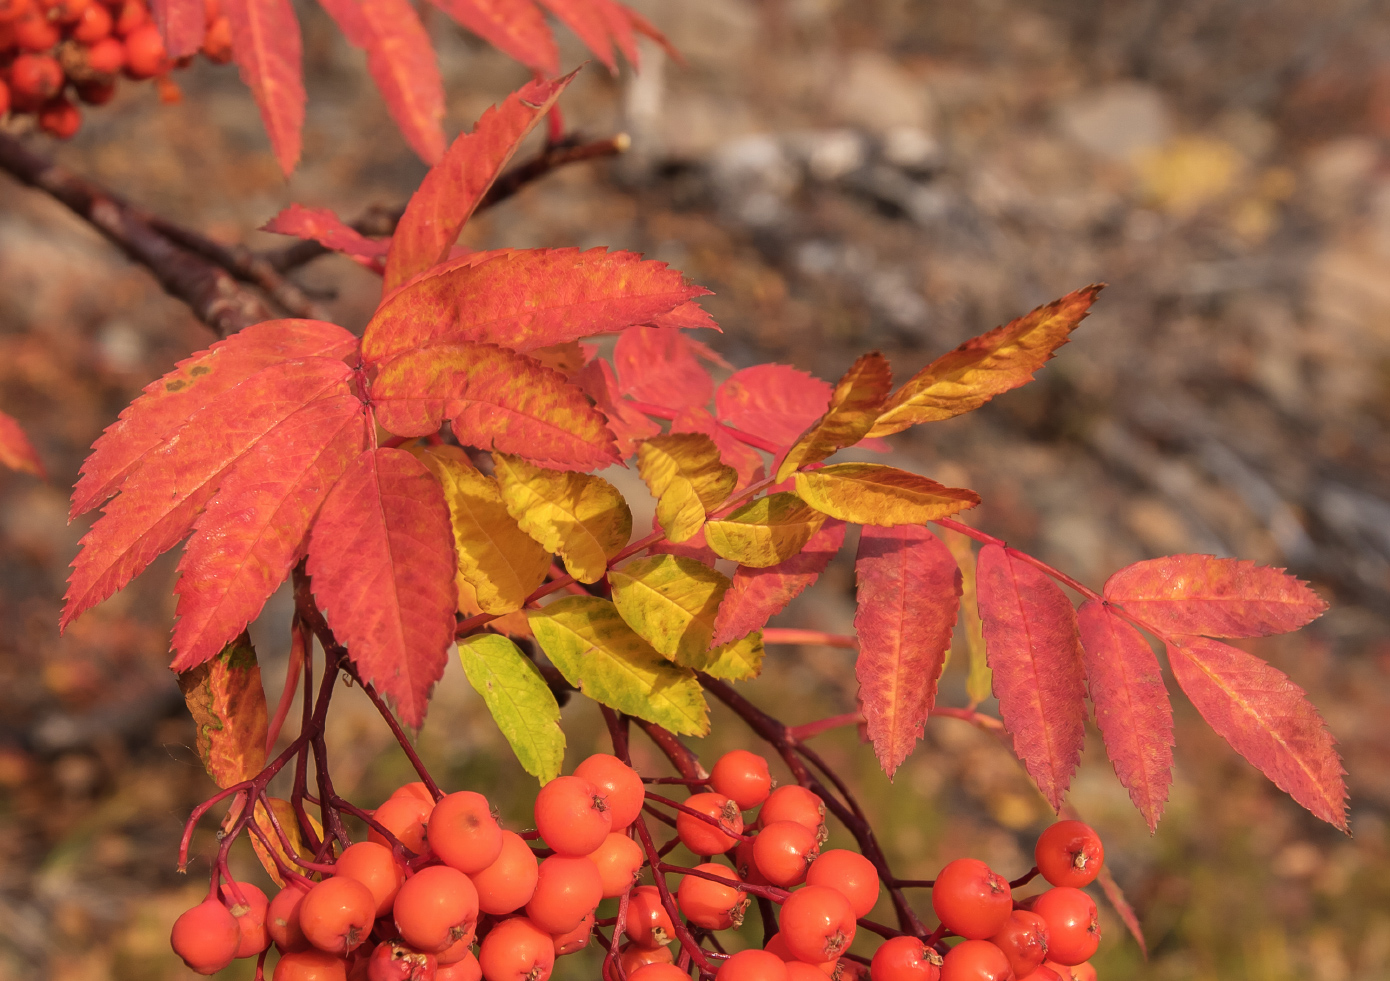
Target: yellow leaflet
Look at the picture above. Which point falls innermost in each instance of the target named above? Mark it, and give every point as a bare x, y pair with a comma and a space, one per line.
671, 602
978, 680
738, 660
500, 562
284, 815
875, 494
854, 408
227, 702
521, 703
684, 473
764, 532
581, 517
587, 640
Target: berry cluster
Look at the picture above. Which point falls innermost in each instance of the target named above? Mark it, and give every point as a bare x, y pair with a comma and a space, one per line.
53, 52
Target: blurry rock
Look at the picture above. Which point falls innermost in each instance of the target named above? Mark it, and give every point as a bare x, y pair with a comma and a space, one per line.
830, 154
752, 176
1189, 173
912, 149
1337, 174
1118, 121
875, 92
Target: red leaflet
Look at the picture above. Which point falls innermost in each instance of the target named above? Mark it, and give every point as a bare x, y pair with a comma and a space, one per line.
253, 530
773, 400
323, 226
687, 316
452, 189
181, 23
585, 18
381, 557
265, 42
757, 595
658, 365
732, 452
16, 452
1032, 647
167, 403
515, 27
525, 300
1267, 719
597, 381
1201, 594
909, 594
1113, 892
1132, 709
497, 399
160, 501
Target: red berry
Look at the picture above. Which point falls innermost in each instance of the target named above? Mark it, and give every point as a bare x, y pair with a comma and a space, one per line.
976, 960
35, 32
463, 832
435, 908
1023, 941
65, 11
1083, 972
905, 959
60, 118
4, 97
459, 950
620, 784
105, 56
659, 972
509, 882
705, 837
793, 803
972, 900
517, 950
415, 788
376, 868
801, 971
634, 955
742, 777
648, 923
753, 965
572, 816
130, 14
817, 924
395, 961
709, 904
250, 917
36, 77
567, 890
850, 874
576, 939
217, 42
619, 861
1073, 924
12, 10
783, 852
404, 817
94, 24
282, 918
745, 864
144, 52
1069, 854
337, 914
310, 965
466, 969
206, 937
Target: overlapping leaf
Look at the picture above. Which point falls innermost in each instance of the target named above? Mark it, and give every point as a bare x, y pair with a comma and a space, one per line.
756, 595
874, 493
284, 816
735, 453
521, 703
738, 660
764, 532
181, 23
658, 365
774, 401
977, 678
225, 698
684, 473
854, 407
671, 603
628, 426
515, 27
16, 452
267, 48
581, 517
323, 226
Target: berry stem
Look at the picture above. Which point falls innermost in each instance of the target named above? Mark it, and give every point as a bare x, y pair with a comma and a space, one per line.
713, 822
298, 642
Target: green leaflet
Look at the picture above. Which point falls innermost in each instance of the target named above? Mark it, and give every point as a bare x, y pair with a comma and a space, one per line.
521, 703
671, 602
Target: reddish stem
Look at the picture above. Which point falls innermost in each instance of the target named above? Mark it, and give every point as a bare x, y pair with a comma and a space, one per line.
292, 672
757, 442
712, 821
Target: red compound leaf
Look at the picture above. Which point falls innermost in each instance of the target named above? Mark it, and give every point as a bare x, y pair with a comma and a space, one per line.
266, 45
659, 365
757, 595
734, 453
515, 27
629, 426
772, 400
323, 226
182, 25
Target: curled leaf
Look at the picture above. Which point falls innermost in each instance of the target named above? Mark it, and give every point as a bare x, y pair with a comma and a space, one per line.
854, 407
227, 702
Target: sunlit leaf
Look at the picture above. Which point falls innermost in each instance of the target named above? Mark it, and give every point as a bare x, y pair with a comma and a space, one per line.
521, 703
671, 602
854, 407
764, 532
684, 473
873, 493
227, 702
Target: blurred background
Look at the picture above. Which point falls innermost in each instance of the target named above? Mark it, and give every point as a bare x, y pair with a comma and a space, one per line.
890, 174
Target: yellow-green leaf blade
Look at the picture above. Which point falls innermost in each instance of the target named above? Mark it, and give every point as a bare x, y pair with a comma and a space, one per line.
764, 532
978, 679
854, 409
598, 653
227, 702
521, 703
738, 660
877, 494
671, 602
686, 476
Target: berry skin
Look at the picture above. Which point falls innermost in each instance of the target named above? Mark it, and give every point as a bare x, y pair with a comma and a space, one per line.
416, 788
310, 965
1069, 853
395, 961
817, 924
745, 864
702, 837
709, 904
144, 52
35, 32
435, 908
206, 937
801, 971
106, 56
742, 777
1073, 924
976, 960
459, 950
66, 11
620, 784
850, 874
659, 972
337, 914
634, 955
462, 831
36, 77
282, 919
130, 14
404, 817
376, 868
576, 939
94, 24
905, 959
752, 965
971, 899
783, 852
509, 882
793, 803
618, 860
4, 97
1023, 941
250, 918
466, 969
648, 923
567, 890
517, 950
572, 816
217, 42
1083, 972
12, 10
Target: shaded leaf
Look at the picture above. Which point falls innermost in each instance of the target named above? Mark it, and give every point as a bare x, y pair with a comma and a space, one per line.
225, 698
687, 316
764, 532
1035, 654
738, 660
628, 426
582, 518
323, 226
977, 678
285, 817
515, 27
671, 603
874, 493
746, 461
181, 24
909, 592
598, 653
585, 18
854, 407
16, 452
658, 365
985, 366
1267, 719
568, 358
266, 46
774, 401
756, 595
684, 473
521, 703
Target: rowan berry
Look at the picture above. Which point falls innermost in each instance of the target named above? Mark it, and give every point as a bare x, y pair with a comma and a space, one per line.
567, 890
801, 971
648, 923
250, 917
94, 24
394, 961
619, 861
793, 803
905, 959
376, 868
620, 784
1069, 853
517, 950
145, 56
404, 817
745, 864
971, 899
817, 924
466, 969
462, 831
743, 777
105, 56
66, 11
712, 905
337, 914
1023, 940
704, 837
783, 852
752, 965
12, 10
36, 77
509, 882
310, 965
633, 955
1083, 972
435, 908
4, 97
35, 32
659, 972
1073, 924
416, 788
217, 42
282, 918
456, 951
572, 816
206, 937
976, 960
848, 873
576, 939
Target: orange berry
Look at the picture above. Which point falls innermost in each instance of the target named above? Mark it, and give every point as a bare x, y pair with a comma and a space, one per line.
206, 937
310, 965
1023, 941
783, 852
752, 965
972, 899
704, 837
105, 56
509, 882
905, 959
850, 874
648, 923
144, 52
743, 777
620, 784
94, 24
250, 918
459, 950
12, 10
619, 861
572, 816
404, 817
463, 832
516, 950
337, 914
376, 868
394, 961
36, 77
130, 14
465, 969
1069, 853
415, 788
817, 924
282, 918
576, 939
435, 908
633, 955
33, 31
567, 890
712, 905
976, 960
217, 42
65, 11
793, 803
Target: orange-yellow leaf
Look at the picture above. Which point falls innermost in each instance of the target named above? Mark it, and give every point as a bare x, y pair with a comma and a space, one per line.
227, 702
745, 460
854, 407
684, 474
16, 452
877, 494
266, 45
285, 818
764, 532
